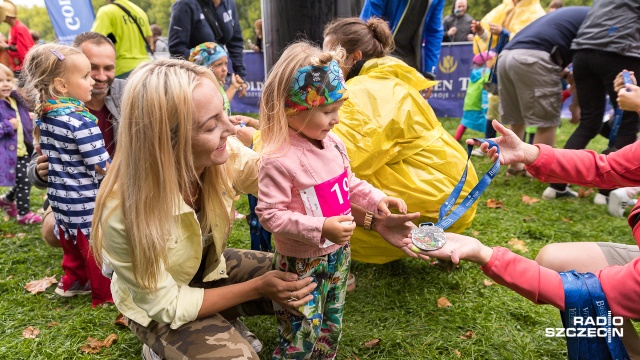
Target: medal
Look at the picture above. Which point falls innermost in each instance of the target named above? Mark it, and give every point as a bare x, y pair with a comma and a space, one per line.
428, 237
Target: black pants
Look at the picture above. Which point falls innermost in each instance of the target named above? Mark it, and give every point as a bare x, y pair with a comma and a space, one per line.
594, 72
20, 193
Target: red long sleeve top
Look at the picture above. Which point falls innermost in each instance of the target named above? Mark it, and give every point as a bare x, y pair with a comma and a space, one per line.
20, 37
621, 284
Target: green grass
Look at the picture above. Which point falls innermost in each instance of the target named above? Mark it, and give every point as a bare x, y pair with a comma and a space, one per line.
395, 302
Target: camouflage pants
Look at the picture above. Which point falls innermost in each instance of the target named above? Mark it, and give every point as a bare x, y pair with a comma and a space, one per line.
316, 334
212, 337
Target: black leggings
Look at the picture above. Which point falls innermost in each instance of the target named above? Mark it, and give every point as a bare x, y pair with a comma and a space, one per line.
594, 72
20, 193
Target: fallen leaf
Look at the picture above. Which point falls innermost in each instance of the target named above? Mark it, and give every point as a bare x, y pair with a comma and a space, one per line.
120, 320
444, 302
21, 235
468, 335
6, 218
9, 236
457, 352
529, 200
30, 333
38, 286
355, 357
372, 343
583, 192
517, 244
52, 324
494, 204
526, 219
93, 346
475, 233
487, 282
9, 277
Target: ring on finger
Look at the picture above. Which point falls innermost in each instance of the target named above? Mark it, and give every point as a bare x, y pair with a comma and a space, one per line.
291, 297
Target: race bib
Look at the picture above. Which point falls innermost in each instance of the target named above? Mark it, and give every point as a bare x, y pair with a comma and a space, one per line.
330, 198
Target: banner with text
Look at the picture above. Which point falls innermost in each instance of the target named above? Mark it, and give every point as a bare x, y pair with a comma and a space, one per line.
70, 18
454, 68
250, 103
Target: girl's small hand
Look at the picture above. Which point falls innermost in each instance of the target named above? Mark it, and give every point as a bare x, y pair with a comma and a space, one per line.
239, 84
14, 123
392, 202
338, 229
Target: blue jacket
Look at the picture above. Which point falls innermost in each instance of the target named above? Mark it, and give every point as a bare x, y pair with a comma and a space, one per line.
188, 28
393, 12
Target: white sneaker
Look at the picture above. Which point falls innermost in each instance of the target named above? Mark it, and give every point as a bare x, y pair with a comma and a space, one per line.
478, 152
551, 193
618, 201
251, 338
600, 199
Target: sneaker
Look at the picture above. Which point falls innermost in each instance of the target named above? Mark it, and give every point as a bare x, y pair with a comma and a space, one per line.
247, 335
8, 206
600, 199
478, 152
75, 289
351, 282
29, 218
551, 193
148, 354
618, 201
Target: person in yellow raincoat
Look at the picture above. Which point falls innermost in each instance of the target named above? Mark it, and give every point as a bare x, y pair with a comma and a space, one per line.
393, 138
495, 30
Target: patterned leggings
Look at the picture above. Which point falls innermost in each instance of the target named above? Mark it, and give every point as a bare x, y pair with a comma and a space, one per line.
316, 334
20, 193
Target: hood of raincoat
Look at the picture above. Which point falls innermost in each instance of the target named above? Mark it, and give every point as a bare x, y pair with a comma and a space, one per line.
396, 143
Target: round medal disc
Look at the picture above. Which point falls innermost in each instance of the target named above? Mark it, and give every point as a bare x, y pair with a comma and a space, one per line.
428, 237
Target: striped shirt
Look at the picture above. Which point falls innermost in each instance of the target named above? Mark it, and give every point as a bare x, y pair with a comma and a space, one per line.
74, 146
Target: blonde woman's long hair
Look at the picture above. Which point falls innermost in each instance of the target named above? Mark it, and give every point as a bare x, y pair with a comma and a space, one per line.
273, 119
153, 165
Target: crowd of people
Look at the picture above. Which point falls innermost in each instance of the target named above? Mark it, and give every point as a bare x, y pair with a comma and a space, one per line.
345, 134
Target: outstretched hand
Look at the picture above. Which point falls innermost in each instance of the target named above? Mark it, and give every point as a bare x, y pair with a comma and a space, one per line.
396, 230
460, 247
512, 149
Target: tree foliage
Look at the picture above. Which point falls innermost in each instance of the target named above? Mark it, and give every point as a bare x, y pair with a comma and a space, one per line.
159, 12
479, 8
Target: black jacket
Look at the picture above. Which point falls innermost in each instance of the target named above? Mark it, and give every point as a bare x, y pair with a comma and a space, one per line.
189, 28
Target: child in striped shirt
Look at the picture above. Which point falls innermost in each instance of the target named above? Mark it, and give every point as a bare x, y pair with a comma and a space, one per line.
58, 78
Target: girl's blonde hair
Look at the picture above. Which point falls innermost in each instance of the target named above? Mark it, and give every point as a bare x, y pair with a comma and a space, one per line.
6, 71
153, 167
41, 66
273, 119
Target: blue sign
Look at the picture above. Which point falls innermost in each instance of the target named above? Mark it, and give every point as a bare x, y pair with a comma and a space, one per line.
454, 68
250, 103
70, 18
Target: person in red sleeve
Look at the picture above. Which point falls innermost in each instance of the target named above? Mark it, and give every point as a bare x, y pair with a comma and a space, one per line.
20, 40
542, 284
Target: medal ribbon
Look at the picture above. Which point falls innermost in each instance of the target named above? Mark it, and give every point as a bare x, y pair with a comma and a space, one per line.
445, 221
584, 298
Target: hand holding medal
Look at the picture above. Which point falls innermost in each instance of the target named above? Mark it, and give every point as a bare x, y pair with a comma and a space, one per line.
429, 236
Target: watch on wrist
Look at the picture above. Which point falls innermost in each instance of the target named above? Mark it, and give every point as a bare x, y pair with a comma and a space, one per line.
368, 219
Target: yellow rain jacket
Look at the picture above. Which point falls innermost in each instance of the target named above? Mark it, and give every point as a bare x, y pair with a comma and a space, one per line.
511, 17
396, 143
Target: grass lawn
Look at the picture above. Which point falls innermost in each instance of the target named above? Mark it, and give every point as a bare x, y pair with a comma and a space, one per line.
395, 302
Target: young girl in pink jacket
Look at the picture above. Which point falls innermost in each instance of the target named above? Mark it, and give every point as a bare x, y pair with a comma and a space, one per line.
306, 188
